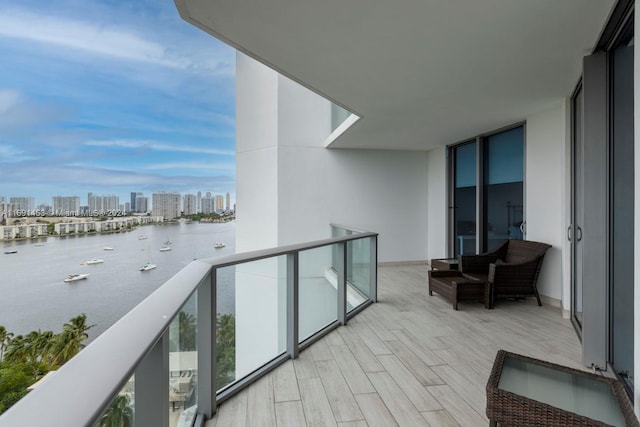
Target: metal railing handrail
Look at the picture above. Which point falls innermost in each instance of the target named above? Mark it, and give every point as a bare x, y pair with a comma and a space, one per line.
80, 390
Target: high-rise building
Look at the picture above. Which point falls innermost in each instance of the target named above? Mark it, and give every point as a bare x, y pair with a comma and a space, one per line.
134, 196
127, 207
66, 205
219, 203
166, 205
189, 204
199, 201
142, 204
102, 204
25, 203
228, 206
208, 205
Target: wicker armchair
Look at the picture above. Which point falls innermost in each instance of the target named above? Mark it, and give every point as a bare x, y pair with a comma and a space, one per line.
511, 270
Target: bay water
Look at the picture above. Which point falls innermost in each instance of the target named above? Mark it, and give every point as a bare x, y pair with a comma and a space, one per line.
33, 294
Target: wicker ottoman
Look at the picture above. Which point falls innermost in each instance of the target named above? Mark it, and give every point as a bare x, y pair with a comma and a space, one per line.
456, 287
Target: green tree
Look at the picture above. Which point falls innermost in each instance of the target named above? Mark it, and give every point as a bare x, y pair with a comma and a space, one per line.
225, 349
5, 338
71, 340
14, 380
118, 414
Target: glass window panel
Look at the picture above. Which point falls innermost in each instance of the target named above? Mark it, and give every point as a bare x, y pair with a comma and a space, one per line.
183, 364
121, 410
317, 294
358, 272
251, 326
503, 187
465, 199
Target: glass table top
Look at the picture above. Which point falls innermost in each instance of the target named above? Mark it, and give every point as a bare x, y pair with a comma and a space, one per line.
580, 394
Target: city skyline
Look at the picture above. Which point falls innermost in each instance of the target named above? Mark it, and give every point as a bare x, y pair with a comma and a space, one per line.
109, 97
112, 202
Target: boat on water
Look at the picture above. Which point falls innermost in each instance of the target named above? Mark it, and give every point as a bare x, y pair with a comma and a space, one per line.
11, 252
108, 248
142, 237
165, 248
219, 245
148, 266
39, 244
75, 277
94, 261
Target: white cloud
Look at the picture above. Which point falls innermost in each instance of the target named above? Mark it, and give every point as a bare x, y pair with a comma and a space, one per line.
192, 166
151, 145
86, 36
10, 154
8, 100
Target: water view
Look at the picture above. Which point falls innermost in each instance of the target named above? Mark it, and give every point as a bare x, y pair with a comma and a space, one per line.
35, 296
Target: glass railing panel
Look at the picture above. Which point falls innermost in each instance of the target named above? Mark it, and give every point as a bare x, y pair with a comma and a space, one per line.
358, 272
317, 292
183, 364
121, 410
251, 317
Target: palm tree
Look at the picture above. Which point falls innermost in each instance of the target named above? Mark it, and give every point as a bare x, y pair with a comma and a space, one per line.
16, 351
71, 340
5, 338
118, 414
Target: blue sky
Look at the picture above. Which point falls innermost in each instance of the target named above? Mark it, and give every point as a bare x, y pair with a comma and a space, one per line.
112, 97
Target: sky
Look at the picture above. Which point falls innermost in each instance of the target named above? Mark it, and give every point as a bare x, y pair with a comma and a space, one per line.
112, 97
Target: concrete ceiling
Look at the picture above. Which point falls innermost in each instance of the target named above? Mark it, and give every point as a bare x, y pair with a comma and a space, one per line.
420, 73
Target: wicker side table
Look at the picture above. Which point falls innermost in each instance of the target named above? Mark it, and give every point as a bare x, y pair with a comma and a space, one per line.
523, 391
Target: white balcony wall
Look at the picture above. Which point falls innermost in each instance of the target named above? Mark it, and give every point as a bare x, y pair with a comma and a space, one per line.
383, 191
547, 196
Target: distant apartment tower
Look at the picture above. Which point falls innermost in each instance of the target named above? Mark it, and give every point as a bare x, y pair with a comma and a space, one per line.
228, 205
25, 203
219, 202
103, 204
208, 205
166, 205
66, 205
199, 201
134, 196
142, 204
126, 207
190, 204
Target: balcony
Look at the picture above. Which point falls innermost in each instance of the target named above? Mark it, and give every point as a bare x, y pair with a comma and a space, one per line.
317, 353
409, 360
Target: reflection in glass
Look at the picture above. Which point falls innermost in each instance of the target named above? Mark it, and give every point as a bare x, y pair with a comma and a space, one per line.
120, 411
183, 364
251, 332
358, 272
465, 199
503, 187
318, 294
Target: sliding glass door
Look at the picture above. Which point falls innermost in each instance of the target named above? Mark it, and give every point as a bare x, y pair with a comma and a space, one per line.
486, 191
464, 195
503, 187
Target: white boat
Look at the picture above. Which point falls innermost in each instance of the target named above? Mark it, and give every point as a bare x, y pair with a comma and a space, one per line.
11, 252
165, 248
148, 266
142, 237
108, 248
94, 261
75, 277
219, 245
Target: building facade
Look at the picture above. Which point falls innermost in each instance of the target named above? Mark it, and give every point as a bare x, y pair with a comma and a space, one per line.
65, 205
166, 205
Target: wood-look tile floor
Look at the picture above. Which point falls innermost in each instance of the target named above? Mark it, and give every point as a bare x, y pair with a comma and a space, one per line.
409, 360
